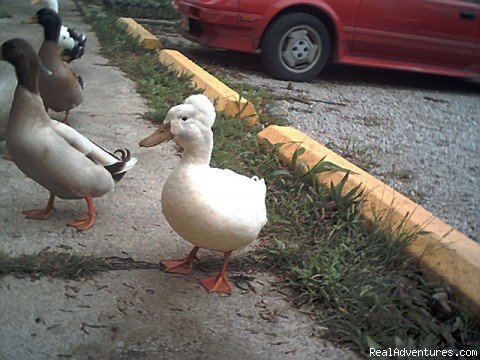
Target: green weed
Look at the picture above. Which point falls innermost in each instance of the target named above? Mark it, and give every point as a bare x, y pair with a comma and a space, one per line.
147, 9
360, 155
54, 264
65, 265
4, 15
400, 174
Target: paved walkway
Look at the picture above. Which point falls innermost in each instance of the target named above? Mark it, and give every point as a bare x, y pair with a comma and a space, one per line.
126, 314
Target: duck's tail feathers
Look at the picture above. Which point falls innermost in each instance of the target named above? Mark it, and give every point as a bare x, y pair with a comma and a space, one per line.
125, 163
77, 51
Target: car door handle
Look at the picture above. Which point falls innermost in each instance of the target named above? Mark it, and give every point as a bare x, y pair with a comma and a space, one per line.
467, 15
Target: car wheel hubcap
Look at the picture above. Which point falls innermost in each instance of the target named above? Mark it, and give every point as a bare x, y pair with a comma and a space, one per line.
300, 48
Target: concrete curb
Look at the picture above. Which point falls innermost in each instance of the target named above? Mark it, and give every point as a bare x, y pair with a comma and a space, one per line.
146, 39
444, 253
226, 99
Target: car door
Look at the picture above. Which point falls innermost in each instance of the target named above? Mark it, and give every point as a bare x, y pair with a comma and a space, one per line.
437, 32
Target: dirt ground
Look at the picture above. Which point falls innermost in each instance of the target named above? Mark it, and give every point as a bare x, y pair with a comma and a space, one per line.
127, 314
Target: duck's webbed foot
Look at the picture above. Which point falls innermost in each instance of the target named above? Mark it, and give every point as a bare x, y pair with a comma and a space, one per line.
41, 214
219, 283
181, 266
86, 223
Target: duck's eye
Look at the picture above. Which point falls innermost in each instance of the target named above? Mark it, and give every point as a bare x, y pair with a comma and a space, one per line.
184, 118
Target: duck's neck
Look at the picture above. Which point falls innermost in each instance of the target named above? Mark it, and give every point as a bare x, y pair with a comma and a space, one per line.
49, 53
198, 153
51, 29
52, 4
27, 74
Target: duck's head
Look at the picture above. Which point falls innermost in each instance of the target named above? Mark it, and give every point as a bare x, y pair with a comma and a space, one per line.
17, 51
21, 55
180, 124
186, 123
205, 110
50, 21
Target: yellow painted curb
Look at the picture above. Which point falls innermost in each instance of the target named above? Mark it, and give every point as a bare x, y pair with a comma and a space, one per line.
227, 99
444, 253
146, 39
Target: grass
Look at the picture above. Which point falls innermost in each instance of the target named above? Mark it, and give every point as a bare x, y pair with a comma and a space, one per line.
65, 265
400, 174
360, 155
55, 264
5, 15
147, 9
352, 276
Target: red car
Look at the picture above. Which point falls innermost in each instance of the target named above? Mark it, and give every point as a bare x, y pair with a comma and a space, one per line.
296, 39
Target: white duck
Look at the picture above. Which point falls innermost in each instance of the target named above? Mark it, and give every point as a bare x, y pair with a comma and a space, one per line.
51, 153
71, 44
214, 209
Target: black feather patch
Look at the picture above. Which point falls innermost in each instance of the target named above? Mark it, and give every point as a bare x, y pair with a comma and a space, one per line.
75, 36
117, 170
80, 81
78, 50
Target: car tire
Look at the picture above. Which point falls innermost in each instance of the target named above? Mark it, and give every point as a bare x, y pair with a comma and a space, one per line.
295, 47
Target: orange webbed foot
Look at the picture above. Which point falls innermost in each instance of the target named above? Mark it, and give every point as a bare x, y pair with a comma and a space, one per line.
37, 214
217, 283
86, 223
41, 214
181, 266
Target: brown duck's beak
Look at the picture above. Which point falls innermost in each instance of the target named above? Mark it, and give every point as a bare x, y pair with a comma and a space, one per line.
32, 20
161, 135
33, 2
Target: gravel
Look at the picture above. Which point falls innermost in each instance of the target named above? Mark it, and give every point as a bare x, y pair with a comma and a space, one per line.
418, 133
422, 142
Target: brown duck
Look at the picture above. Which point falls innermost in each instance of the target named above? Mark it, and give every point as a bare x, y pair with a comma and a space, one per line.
63, 90
56, 156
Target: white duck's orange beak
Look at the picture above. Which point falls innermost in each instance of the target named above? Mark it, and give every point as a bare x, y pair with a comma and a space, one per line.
160, 135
